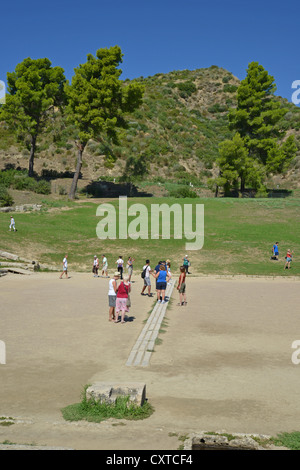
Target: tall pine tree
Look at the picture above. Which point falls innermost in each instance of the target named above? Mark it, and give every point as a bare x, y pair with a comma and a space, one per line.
98, 101
256, 120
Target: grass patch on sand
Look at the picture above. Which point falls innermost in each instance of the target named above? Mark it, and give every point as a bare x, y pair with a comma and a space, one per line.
291, 440
96, 411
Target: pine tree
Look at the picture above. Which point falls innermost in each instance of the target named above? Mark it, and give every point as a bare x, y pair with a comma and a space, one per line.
98, 101
257, 123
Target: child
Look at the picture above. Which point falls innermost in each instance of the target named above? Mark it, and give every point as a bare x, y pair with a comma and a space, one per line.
182, 286
288, 259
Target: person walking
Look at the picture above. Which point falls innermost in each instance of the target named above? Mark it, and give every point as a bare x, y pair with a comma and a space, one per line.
130, 262
162, 278
147, 281
104, 266
288, 258
123, 299
65, 267
120, 263
12, 224
181, 287
275, 251
95, 266
112, 296
186, 263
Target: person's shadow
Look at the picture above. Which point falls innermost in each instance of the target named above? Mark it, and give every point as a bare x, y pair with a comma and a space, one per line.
129, 319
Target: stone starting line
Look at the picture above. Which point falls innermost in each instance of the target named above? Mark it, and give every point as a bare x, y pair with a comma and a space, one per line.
144, 346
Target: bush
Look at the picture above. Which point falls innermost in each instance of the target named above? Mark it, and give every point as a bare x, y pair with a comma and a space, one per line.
5, 198
186, 89
183, 192
42, 187
230, 88
21, 181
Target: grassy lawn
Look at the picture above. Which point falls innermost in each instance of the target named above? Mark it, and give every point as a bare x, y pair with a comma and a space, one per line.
238, 236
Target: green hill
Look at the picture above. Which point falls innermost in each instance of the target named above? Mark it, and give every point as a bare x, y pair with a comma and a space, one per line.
176, 132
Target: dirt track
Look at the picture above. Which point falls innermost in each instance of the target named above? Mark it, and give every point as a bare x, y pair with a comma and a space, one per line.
224, 362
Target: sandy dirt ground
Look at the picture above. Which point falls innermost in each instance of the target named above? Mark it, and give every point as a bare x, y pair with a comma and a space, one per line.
224, 362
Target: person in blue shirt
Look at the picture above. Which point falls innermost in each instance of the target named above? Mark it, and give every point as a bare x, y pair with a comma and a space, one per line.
275, 251
162, 277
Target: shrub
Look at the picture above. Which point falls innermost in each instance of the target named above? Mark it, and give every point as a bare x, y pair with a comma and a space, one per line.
21, 181
5, 198
230, 88
183, 192
42, 187
186, 89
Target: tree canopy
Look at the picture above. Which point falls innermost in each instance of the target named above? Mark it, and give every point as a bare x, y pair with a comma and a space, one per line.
255, 150
34, 88
98, 100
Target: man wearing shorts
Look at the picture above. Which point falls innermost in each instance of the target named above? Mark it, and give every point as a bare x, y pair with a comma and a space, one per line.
275, 251
112, 296
65, 267
147, 281
104, 266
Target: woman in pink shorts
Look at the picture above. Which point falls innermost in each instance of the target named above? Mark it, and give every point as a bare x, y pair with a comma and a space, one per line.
122, 302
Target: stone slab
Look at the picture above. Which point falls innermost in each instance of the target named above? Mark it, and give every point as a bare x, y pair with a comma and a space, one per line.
108, 392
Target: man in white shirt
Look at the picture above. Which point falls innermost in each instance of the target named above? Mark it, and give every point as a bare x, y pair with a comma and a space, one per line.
147, 282
104, 266
65, 267
120, 263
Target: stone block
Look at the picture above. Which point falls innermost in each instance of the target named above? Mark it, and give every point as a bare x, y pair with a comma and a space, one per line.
108, 392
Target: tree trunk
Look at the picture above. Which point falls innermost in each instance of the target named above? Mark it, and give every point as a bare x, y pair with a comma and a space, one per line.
242, 184
31, 157
73, 189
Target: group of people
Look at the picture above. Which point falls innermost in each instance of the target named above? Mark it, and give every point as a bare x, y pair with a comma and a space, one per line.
119, 294
119, 263
96, 266
288, 256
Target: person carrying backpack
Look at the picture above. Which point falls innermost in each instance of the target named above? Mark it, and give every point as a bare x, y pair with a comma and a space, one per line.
146, 276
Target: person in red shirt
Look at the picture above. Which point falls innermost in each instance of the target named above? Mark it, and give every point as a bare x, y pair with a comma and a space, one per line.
288, 258
123, 299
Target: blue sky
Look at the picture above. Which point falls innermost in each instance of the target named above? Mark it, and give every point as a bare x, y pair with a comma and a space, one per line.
156, 36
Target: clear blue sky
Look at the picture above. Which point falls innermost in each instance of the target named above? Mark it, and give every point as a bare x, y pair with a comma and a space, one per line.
156, 36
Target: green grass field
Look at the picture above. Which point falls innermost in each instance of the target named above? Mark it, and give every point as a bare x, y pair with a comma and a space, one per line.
238, 236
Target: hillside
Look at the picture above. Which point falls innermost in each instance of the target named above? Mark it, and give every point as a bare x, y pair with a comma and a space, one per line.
177, 131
